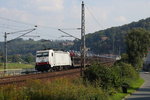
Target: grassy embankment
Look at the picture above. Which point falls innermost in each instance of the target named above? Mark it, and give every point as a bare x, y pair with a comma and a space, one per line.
61, 89
75, 89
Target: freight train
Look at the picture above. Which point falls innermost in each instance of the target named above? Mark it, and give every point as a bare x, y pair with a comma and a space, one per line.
57, 60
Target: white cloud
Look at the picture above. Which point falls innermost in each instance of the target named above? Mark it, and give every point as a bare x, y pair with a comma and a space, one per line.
48, 5
96, 18
99, 13
121, 19
15, 14
67, 13
29, 17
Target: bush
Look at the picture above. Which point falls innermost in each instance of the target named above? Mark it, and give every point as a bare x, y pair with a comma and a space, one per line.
106, 77
128, 72
110, 77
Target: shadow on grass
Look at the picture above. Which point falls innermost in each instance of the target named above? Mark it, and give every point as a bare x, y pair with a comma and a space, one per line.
139, 98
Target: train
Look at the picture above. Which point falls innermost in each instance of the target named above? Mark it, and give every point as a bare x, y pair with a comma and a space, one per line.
57, 60
50, 59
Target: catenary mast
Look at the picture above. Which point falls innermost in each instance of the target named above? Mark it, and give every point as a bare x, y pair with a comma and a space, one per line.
82, 38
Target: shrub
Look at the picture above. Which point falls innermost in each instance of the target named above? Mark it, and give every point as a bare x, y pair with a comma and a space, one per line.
111, 77
106, 77
128, 72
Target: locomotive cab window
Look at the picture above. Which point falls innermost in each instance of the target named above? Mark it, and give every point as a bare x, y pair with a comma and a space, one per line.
52, 54
39, 54
45, 54
42, 54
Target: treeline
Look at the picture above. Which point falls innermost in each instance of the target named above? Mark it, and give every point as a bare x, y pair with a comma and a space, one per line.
20, 46
20, 50
112, 40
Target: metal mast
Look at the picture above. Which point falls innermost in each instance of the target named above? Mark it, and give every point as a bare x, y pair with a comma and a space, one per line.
82, 38
5, 50
5, 44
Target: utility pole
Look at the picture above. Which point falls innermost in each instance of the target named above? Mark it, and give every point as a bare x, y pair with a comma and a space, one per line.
82, 38
5, 44
5, 50
113, 45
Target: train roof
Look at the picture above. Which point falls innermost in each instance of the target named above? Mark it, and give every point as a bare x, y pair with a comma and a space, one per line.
51, 50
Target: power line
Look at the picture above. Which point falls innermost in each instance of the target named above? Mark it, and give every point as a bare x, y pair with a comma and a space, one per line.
29, 31
20, 22
70, 28
94, 18
68, 34
7, 27
21, 31
5, 38
7, 19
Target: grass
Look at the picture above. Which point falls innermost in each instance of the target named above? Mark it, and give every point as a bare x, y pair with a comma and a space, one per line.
17, 66
61, 89
134, 86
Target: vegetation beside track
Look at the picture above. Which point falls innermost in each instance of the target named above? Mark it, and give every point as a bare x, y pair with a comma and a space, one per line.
61, 89
113, 79
79, 89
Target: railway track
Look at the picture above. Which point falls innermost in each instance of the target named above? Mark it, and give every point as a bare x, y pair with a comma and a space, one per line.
48, 76
18, 79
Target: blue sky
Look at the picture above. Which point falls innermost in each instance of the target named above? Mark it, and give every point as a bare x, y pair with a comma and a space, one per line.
51, 15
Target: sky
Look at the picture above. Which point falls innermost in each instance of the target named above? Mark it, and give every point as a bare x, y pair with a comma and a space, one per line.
51, 15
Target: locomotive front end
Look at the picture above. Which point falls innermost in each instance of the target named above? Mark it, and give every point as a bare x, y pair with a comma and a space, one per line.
42, 61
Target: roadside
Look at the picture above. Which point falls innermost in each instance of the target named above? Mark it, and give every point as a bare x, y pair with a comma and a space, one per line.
142, 93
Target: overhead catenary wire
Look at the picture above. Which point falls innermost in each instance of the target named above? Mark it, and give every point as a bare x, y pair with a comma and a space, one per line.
23, 25
5, 45
21, 31
8, 27
70, 28
39, 26
22, 34
93, 16
68, 34
31, 24
12, 27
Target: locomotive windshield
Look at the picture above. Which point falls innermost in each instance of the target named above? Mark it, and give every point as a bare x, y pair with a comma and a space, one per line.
42, 54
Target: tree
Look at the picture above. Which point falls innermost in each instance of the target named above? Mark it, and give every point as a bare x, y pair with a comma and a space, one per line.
138, 42
29, 58
16, 58
1, 57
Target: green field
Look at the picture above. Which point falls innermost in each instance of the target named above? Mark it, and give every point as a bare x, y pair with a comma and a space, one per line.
16, 66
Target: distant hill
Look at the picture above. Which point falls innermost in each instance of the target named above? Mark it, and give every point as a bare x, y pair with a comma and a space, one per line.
112, 39
23, 47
